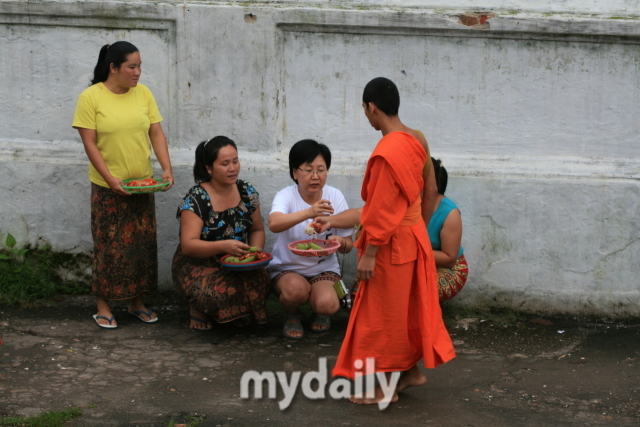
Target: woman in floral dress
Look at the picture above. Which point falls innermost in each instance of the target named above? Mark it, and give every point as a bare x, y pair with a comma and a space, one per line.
218, 216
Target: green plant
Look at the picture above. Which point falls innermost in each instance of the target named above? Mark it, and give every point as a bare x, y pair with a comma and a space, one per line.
498, 316
13, 252
189, 420
54, 418
29, 276
73, 289
25, 275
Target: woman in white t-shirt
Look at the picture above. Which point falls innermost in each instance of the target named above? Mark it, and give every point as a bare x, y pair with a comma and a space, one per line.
299, 279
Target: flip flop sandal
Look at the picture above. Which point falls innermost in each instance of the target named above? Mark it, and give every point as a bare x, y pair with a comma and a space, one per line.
290, 324
108, 319
137, 314
323, 321
197, 319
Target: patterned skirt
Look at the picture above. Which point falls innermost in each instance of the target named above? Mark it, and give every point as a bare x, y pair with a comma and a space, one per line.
221, 294
125, 252
451, 280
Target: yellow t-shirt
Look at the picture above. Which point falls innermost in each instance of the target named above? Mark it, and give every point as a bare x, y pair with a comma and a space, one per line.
122, 126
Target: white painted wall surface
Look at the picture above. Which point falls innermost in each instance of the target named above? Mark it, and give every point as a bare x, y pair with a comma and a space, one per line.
535, 116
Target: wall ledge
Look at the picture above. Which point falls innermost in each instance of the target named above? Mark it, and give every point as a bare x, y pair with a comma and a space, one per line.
354, 162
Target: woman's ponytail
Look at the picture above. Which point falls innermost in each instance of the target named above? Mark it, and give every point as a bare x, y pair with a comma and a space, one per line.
200, 173
115, 54
101, 72
442, 177
207, 154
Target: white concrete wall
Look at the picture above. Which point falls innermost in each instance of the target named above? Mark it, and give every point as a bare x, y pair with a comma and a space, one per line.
534, 114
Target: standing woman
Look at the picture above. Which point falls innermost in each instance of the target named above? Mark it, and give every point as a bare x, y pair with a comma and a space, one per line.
119, 122
220, 215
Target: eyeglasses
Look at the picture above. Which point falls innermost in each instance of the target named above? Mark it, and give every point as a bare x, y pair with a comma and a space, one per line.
313, 172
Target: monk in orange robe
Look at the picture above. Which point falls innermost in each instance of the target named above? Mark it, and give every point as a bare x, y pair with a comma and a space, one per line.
396, 317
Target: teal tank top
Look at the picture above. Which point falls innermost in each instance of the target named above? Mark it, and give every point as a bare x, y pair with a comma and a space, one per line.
437, 220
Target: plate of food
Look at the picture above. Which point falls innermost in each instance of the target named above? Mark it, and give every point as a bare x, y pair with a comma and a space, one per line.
314, 247
144, 185
254, 260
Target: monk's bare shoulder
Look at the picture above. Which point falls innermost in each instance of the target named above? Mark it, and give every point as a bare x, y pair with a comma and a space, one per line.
420, 137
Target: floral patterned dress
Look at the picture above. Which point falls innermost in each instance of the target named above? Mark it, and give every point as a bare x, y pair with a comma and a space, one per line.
222, 294
125, 252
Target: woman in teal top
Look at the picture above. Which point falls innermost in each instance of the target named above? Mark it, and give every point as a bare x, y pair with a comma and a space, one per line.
445, 233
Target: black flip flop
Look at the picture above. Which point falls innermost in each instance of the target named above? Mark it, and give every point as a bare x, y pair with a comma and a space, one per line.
108, 319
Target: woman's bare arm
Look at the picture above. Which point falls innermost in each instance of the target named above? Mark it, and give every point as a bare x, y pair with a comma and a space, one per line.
89, 140
257, 236
161, 150
345, 219
450, 240
190, 230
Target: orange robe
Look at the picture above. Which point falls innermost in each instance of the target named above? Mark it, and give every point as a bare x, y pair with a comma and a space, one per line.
396, 315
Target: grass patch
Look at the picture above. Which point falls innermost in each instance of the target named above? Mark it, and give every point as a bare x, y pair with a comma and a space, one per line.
504, 317
26, 278
187, 420
34, 275
55, 418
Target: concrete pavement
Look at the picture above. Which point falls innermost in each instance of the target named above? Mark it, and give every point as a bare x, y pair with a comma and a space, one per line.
524, 371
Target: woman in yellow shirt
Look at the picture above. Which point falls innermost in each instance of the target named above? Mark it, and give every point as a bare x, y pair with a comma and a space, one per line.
119, 122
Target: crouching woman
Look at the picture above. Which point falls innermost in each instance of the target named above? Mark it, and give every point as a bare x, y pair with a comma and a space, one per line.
445, 234
220, 215
298, 279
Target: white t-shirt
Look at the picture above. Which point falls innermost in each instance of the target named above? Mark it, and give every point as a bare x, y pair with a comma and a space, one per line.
288, 200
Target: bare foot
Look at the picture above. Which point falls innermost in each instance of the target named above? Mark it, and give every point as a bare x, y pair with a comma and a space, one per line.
199, 321
361, 399
412, 377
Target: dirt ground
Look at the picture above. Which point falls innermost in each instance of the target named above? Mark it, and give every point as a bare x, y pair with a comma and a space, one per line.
515, 370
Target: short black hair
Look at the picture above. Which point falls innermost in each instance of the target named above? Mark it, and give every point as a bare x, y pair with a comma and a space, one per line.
206, 154
442, 177
384, 94
306, 151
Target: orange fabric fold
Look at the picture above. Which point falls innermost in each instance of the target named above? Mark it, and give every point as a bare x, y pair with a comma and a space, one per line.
396, 317
413, 214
